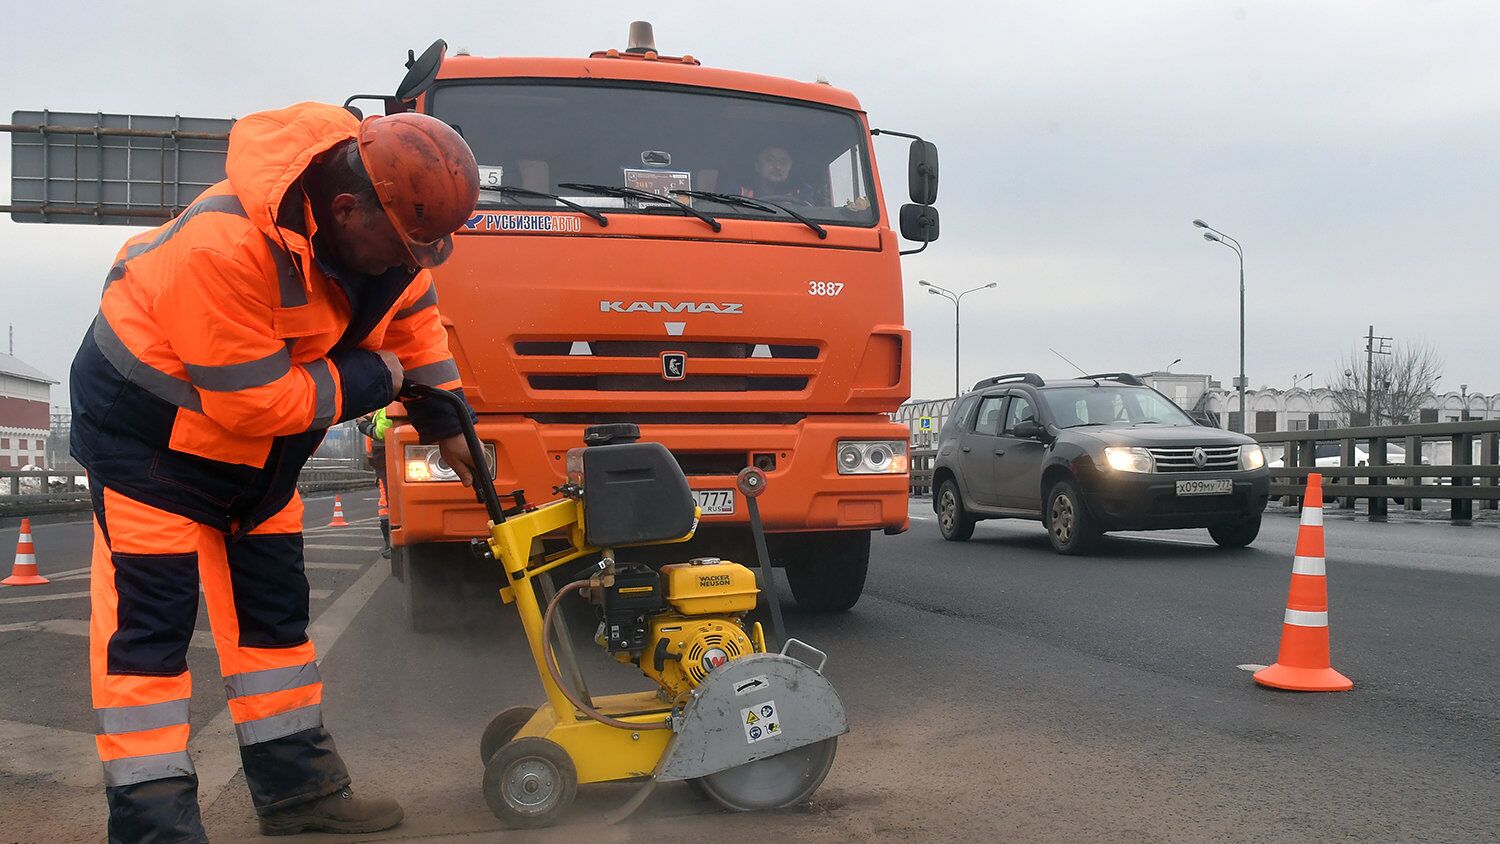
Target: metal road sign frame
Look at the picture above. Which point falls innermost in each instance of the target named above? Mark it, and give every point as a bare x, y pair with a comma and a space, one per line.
111, 169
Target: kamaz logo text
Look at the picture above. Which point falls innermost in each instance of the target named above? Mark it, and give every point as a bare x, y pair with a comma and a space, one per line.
608, 307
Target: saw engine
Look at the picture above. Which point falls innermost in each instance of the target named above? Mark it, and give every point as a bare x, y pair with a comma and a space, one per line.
681, 623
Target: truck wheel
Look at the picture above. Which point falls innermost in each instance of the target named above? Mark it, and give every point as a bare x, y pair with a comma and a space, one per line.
954, 522
446, 588
827, 570
1237, 535
1070, 527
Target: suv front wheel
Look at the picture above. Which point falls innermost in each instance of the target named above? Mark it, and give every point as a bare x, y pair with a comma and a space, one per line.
1237, 535
1070, 526
954, 522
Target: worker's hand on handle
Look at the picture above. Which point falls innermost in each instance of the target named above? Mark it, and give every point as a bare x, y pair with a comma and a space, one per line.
455, 453
398, 372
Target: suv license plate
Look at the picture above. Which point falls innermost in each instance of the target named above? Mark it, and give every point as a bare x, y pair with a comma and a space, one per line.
715, 502
1218, 486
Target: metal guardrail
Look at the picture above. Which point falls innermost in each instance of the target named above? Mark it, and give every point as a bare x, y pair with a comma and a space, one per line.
25, 493
1461, 482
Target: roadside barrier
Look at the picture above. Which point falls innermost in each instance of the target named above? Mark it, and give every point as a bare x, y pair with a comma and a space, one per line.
338, 513
1303, 665
24, 572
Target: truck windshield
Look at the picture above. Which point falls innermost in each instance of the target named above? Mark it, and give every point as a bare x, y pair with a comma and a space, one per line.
1076, 406
544, 136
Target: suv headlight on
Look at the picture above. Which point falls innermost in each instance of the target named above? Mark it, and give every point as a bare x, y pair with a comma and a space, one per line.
872, 457
424, 463
1251, 457
1123, 459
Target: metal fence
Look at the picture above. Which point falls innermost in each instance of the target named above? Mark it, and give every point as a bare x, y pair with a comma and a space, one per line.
1453, 462
1470, 473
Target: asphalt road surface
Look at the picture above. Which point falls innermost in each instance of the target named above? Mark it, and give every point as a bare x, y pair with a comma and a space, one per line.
996, 692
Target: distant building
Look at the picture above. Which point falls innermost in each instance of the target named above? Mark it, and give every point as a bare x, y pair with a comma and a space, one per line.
1299, 409
25, 414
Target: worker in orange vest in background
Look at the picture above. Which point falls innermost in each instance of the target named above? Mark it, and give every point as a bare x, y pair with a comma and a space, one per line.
374, 427
289, 297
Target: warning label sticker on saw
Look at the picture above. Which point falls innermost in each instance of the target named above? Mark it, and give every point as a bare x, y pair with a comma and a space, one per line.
760, 721
754, 684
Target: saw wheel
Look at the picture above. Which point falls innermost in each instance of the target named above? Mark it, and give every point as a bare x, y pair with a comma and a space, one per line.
775, 782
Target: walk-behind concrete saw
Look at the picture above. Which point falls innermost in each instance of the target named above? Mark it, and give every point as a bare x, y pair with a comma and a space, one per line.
750, 728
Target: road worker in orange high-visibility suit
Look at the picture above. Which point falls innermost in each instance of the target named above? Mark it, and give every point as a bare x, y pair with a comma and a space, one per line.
293, 295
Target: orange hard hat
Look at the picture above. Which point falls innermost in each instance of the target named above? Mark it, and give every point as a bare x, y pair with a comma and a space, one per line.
425, 176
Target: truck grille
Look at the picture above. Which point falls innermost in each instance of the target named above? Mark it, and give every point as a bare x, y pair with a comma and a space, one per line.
654, 348
655, 383
1220, 458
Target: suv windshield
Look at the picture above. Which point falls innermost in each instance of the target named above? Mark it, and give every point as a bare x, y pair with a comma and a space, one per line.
1111, 405
544, 137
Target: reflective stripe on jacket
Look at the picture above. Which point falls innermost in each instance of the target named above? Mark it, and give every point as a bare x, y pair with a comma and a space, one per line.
215, 363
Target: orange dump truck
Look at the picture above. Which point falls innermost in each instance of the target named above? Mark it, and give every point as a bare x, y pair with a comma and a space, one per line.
702, 252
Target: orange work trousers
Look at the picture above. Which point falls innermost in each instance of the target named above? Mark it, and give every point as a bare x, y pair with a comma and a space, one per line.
148, 566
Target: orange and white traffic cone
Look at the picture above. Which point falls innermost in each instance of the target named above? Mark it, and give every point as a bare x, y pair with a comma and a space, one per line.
1303, 664
24, 573
338, 513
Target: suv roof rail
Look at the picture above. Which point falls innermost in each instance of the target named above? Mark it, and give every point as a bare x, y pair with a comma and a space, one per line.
1122, 377
1031, 378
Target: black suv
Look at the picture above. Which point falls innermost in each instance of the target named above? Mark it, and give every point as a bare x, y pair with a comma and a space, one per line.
1092, 454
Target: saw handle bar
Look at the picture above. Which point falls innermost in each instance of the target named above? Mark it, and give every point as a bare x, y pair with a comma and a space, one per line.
484, 479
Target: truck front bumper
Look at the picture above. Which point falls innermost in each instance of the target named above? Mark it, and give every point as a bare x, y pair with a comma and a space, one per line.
805, 491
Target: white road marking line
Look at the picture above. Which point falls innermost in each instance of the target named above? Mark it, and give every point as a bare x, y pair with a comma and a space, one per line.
375, 547
66, 757
319, 594
922, 518
80, 627
36, 599
338, 566
63, 575
1173, 541
1250, 666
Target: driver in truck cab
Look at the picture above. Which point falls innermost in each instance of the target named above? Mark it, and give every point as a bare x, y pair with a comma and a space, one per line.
773, 179
291, 296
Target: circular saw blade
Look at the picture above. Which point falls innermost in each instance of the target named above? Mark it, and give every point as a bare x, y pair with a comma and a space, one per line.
774, 782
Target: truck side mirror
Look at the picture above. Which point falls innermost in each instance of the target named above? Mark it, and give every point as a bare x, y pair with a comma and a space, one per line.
922, 173
421, 72
919, 223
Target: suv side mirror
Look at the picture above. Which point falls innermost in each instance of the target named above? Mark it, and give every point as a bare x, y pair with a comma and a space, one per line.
922, 172
1029, 430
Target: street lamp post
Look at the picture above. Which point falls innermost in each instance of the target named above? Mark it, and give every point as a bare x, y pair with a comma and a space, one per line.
955, 298
1217, 236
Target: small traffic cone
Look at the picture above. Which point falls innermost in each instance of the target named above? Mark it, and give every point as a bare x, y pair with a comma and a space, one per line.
1303, 663
338, 513
24, 572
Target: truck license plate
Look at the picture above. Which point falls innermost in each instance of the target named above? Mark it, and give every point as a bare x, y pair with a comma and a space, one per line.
1218, 486
715, 502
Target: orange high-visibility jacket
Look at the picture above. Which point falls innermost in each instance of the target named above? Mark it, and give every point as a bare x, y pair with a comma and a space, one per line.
224, 347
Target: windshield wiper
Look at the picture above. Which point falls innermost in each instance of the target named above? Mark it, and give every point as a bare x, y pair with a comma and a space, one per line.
637, 193
511, 190
758, 204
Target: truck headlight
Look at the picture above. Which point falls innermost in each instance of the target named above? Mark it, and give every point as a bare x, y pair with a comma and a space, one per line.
1251, 457
1123, 459
425, 463
872, 457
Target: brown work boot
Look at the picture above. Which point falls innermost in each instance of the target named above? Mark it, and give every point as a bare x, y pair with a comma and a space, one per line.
338, 812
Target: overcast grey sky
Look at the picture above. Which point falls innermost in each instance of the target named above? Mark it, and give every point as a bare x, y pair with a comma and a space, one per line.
1351, 147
